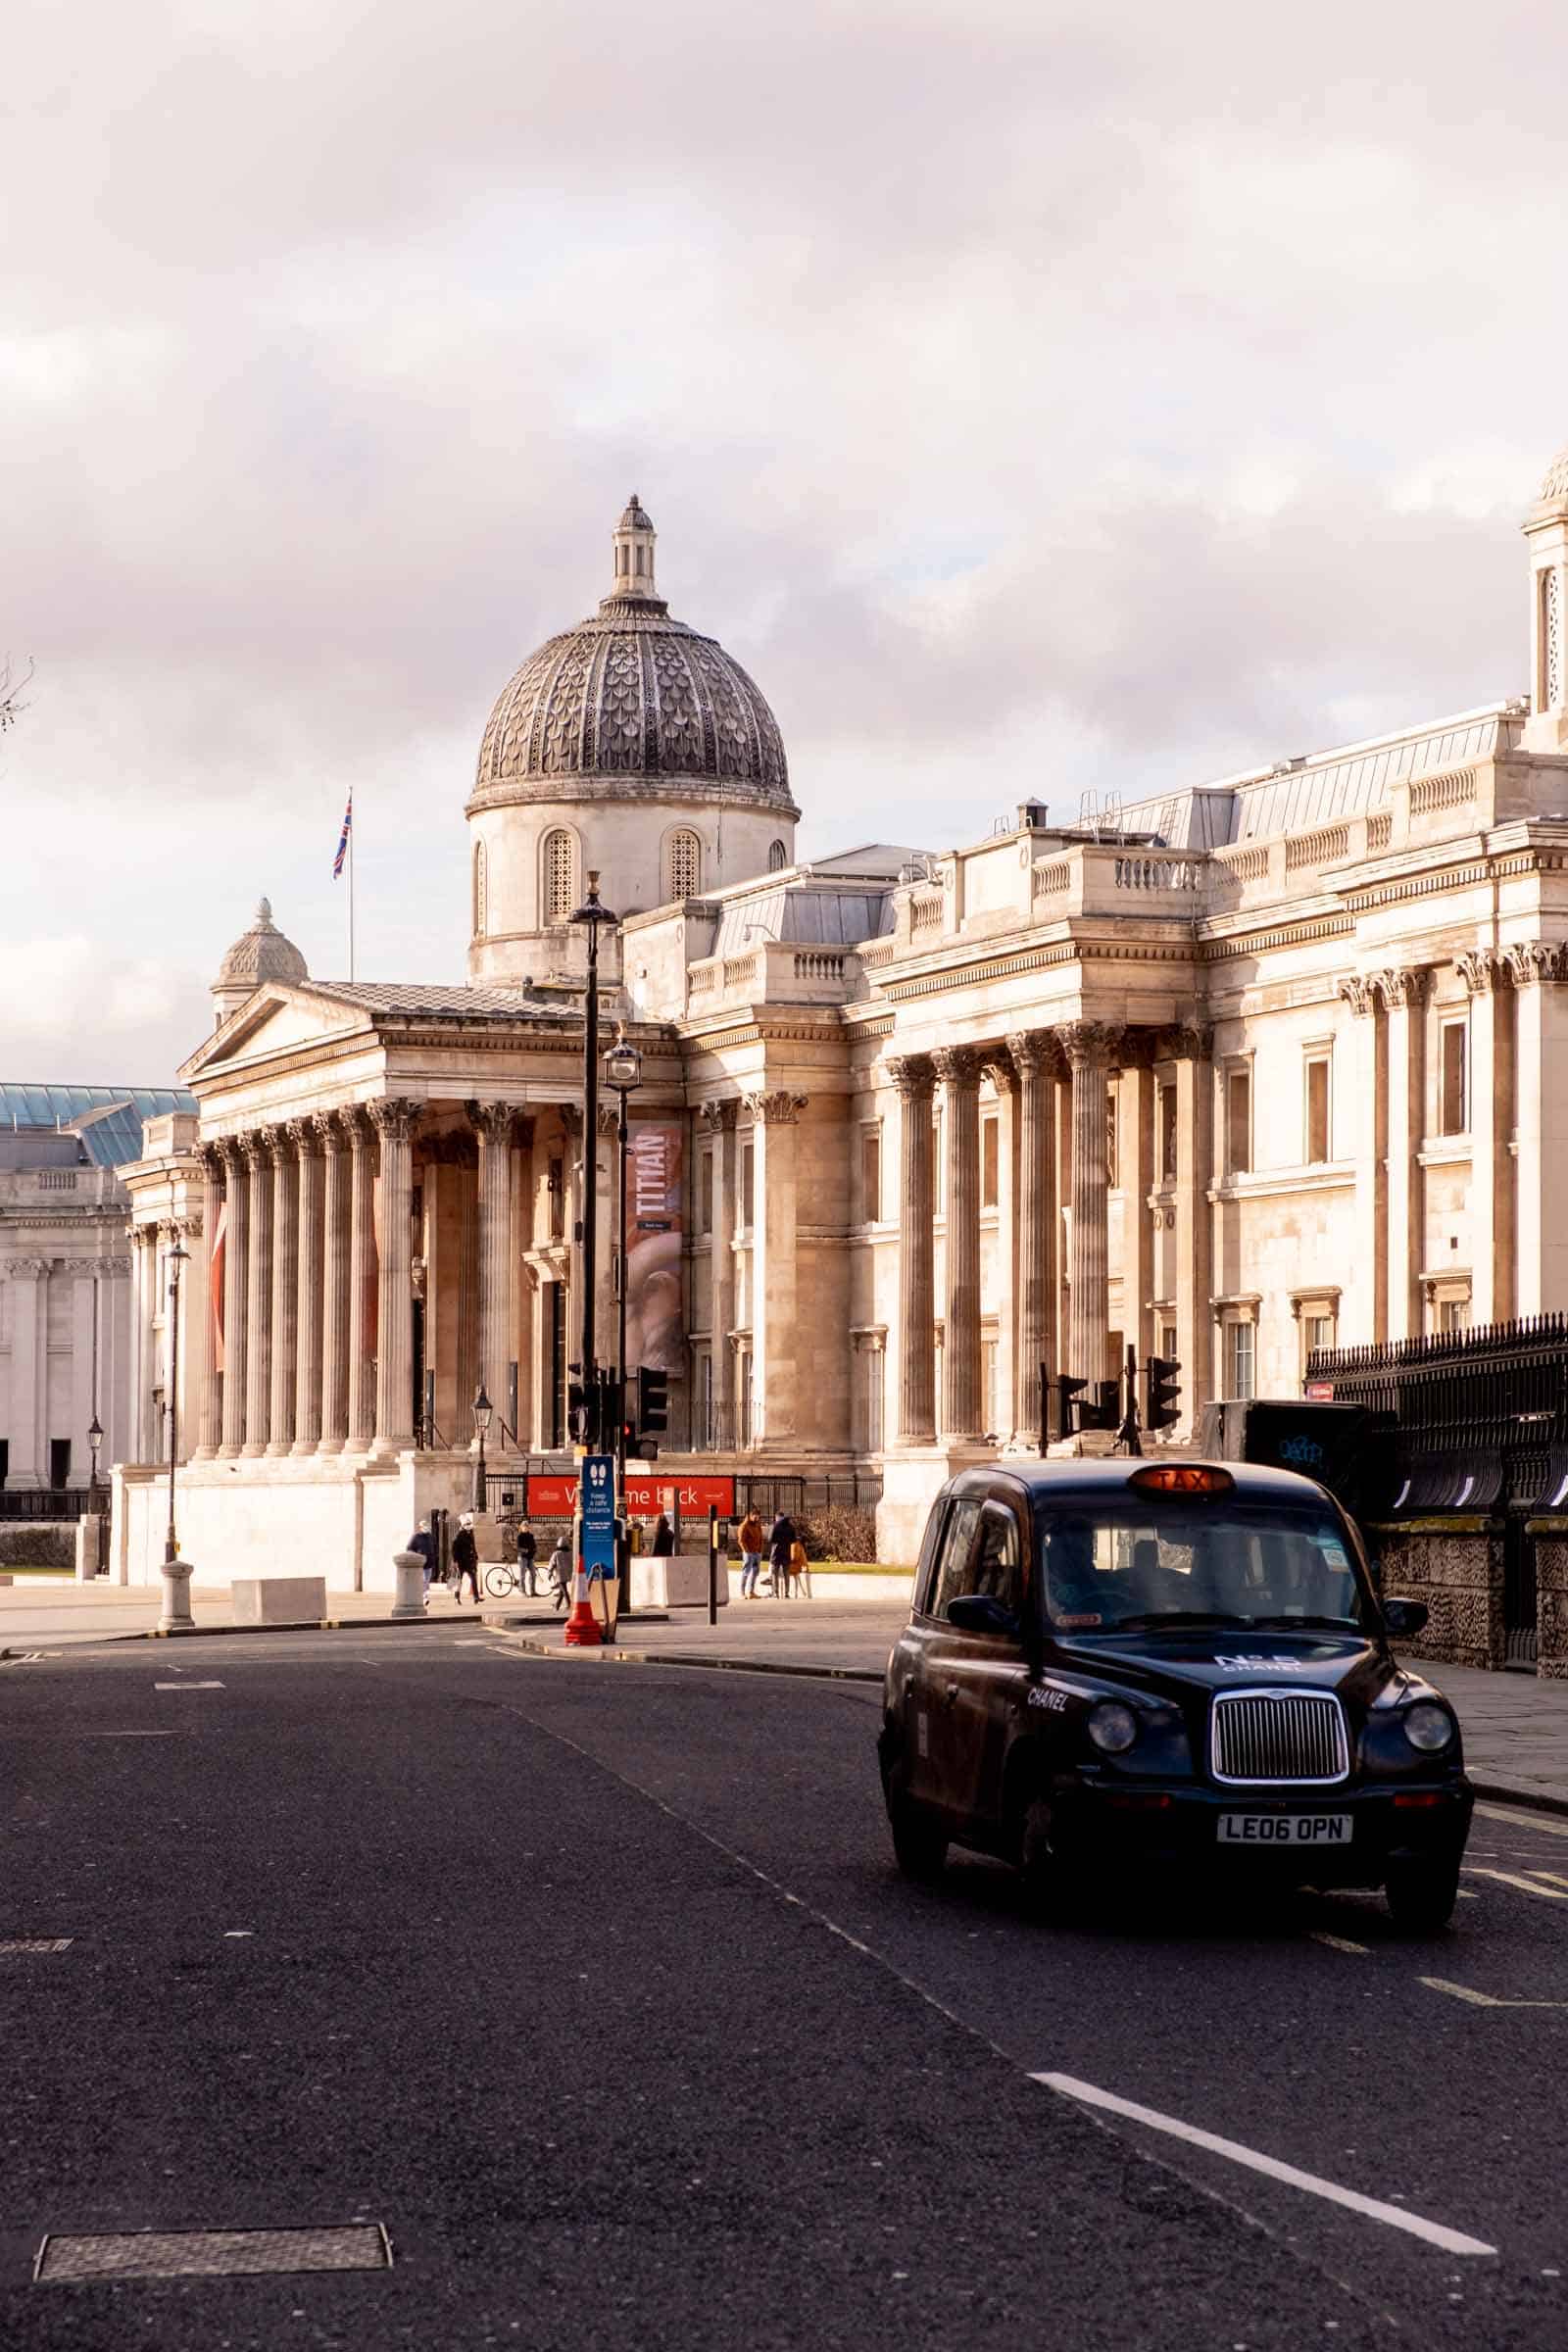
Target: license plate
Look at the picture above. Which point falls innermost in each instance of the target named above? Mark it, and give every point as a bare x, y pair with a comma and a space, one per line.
1285, 1829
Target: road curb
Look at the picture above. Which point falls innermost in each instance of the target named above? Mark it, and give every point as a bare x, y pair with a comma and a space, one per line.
188, 1633
1521, 1794
616, 1656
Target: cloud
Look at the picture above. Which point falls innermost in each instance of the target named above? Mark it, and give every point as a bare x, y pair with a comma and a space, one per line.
1034, 398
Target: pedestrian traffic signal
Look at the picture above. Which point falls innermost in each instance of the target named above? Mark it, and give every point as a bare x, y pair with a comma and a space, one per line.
1161, 1392
1076, 1412
579, 1417
652, 1401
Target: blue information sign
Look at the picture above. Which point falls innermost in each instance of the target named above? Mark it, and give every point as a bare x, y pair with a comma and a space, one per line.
599, 1514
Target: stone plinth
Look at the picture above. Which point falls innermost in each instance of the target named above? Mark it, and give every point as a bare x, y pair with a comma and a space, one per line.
1454, 1564
1551, 1540
677, 1582
278, 1599
911, 1479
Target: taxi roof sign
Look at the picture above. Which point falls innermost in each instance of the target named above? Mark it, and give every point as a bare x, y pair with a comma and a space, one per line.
1182, 1478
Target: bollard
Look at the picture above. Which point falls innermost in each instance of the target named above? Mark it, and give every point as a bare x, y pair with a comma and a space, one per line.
713, 1563
175, 1615
408, 1599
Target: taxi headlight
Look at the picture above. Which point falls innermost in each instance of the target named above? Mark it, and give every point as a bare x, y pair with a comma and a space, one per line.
1429, 1727
1112, 1726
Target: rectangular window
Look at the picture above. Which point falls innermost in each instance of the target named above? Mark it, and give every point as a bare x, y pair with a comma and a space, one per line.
870, 1174
990, 1161
1167, 1342
1318, 1331
1317, 1110
1239, 1121
1239, 1339
1453, 1076
704, 1208
1453, 1314
1167, 1133
747, 1175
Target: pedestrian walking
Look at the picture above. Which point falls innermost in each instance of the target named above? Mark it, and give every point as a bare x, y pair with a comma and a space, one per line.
781, 1537
527, 1560
423, 1543
560, 1572
464, 1560
664, 1538
752, 1540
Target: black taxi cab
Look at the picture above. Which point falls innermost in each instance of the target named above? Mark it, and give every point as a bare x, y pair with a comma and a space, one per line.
1118, 1667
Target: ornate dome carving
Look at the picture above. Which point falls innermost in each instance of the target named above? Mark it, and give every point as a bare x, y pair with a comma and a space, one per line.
1555, 484
630, 693
262, 953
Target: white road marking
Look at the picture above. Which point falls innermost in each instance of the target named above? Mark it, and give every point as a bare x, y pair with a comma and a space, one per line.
1517, 1819
165, 1734
1508, 1878
229, 1933
1337, 1943
1555, 1875
1435, 2234
1484, 2000
36, 1944
187, 1685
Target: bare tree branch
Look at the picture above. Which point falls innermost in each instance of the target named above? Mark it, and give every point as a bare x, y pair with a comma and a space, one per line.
11, 705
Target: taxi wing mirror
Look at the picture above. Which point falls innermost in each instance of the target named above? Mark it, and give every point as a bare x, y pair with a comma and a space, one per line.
1405, 1618
982, 1613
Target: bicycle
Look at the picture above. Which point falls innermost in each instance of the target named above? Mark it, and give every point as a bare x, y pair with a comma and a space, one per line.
501, 1579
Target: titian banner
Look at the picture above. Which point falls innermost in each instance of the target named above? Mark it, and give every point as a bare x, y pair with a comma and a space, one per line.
649, 1492
655, 1323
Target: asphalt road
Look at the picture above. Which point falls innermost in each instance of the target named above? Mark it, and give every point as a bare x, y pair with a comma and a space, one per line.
595, 1987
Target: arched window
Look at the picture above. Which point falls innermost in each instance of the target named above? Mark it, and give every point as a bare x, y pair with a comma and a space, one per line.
778, 858
683, 866
559, 875
478, 890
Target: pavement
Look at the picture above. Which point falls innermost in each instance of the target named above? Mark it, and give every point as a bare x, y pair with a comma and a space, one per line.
1515, 1726
598, 1993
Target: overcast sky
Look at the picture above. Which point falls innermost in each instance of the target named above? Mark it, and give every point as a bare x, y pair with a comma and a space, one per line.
1037, 397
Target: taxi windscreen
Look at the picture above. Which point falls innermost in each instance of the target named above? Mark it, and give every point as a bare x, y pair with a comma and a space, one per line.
1142, 1563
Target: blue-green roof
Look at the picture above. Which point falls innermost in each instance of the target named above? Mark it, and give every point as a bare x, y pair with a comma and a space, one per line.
111, 1140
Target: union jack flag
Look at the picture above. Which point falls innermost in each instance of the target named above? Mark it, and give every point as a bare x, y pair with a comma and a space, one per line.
343, 837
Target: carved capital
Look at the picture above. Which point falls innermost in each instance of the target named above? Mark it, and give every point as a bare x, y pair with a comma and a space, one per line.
1188, 1041
779, 1108
329, 1131
571, 1119
112, 1266
1537, 960
303, 1136
1035, 1053
720, 1117
1407, 987
1090, 1045
958, 1067
997, 1061
495, 1121
214, 1161
257, 1145
913, 1074
394, 1117
356, 1127
29, 1269
1360, 991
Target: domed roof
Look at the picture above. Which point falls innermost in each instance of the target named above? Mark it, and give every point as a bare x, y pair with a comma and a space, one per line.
1555, 484
630, 693
260, 954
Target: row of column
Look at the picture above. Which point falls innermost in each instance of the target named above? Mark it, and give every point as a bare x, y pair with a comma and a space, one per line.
1030, 1066
316, 1291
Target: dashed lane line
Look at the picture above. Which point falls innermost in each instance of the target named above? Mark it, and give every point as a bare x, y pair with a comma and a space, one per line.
1483, 2000
1509, 1878
1517, 1818
187, 1685
1415, 2224
1338, 1944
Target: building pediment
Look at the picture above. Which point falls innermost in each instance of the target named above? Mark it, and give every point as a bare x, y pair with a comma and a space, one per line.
275, 1019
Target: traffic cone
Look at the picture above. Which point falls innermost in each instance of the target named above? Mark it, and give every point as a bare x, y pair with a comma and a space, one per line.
583, 1629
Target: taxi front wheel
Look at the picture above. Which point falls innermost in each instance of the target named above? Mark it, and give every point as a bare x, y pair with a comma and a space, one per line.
1421, 1895
918, 1846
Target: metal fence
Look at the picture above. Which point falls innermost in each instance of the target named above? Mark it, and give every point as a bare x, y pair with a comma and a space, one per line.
47, 1502
1478, 1422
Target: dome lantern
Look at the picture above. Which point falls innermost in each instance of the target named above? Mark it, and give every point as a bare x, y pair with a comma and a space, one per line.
633, 542
259, 954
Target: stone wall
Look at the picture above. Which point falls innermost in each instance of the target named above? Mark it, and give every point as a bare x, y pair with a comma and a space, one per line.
1454, 1564
1550, 1539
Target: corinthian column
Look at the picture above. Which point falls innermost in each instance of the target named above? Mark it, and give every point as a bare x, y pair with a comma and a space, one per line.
915, 1077
308, 1302
1090, 1048
362, 1280
719, 1119
335, 1280
958, 1068
1037, 1058
210, 1411
236, 1262
394, 1120
258, 1294
285, 1289
494, 1123
775, 1304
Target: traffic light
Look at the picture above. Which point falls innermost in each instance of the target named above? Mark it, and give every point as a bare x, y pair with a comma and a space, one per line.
652, 1401
1068, 1389
579, 1418
1076, 1412
1105, 1410
1161, 1392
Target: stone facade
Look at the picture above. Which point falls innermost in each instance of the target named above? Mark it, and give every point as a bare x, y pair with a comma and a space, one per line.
1253, 1068
1455, 1566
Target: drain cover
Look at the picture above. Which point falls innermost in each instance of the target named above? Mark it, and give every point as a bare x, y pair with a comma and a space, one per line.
36, 1944
212, 2253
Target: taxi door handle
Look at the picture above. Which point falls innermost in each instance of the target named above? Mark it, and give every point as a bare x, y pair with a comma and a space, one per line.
952, 1693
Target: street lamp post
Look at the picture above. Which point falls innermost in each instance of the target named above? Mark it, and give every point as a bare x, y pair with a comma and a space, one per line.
176, 1616
591, 913
482, 1410
623, 1068
95, 1438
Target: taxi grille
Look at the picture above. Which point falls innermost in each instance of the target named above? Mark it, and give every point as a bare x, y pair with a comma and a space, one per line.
1278, 1735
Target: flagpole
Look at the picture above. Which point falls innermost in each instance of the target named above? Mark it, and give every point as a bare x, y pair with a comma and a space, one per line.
351, 892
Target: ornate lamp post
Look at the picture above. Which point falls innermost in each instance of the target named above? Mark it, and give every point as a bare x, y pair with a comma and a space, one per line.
623, 1068
482, 1410
176, 1616
95, 1438
591, 913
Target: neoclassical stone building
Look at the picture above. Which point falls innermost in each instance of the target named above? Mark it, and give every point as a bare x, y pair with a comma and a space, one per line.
1259, 1066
